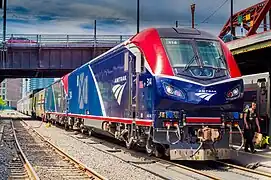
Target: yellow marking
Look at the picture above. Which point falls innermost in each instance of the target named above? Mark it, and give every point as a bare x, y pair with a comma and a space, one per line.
48, 125
251, 48
247, 17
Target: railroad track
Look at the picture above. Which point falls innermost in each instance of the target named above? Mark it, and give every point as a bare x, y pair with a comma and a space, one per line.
212, 169
222, 170
171, 170
155, 167
18, 165
159, 167
48, 160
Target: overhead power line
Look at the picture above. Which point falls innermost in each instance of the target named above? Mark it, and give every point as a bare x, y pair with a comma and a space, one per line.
215, 11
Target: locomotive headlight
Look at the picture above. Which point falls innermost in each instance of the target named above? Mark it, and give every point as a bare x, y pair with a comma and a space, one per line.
234, 93
173, 91
169, 90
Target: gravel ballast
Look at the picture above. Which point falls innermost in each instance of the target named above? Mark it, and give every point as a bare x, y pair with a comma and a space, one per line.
4, 159
105, 164
7, 152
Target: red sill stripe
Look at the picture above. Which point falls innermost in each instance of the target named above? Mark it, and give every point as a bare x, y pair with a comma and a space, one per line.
141, 122
203, 120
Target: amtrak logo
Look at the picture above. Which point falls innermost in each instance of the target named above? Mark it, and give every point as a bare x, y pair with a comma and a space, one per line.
206, 94
119, 88
82, 84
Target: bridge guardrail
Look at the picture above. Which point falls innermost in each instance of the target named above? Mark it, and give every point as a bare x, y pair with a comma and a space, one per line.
66, 39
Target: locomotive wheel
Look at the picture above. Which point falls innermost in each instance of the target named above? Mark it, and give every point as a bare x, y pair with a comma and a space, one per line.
129, 146
104, 126
90, 132
159, 151
150, 147
129, 143
66, 126
83, 130
149, 151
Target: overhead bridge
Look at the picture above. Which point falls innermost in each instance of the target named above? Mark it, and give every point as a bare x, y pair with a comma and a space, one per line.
252, 52
51, 55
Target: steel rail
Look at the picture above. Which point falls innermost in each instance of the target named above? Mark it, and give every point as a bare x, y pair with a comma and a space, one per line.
30, 170
90, 172
162, 161
245, 169
189, 169
207, 174
155, 160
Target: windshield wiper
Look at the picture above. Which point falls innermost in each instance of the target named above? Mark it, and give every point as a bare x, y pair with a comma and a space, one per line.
191, 61
220, 57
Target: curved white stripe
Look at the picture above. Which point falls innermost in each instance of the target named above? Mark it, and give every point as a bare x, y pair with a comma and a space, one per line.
115, 88
121, 92
203, 95
209, 97
117, 93
98, 91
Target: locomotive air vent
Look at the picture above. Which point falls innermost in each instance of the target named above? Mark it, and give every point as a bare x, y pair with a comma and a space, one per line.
187, 31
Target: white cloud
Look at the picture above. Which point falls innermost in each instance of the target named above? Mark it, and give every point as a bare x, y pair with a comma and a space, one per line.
70, 15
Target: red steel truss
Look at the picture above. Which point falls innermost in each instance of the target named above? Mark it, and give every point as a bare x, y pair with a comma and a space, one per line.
257, 15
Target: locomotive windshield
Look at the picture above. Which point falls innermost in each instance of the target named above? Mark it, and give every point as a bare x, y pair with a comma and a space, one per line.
181, 52
211, 54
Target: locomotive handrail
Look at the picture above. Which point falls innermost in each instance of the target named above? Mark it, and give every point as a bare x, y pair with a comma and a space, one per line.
242, 137
197, 150
178, 134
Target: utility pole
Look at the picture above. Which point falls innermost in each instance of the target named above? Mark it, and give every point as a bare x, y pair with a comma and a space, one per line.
95, 31
232, 30
4, 20
193, 7
95, 37
137, 16
176, 24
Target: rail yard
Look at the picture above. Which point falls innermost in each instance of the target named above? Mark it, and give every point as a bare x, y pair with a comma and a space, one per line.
176, 122
160, 103
51, 152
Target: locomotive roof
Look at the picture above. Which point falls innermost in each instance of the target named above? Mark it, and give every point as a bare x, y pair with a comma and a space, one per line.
188, 33
184, 33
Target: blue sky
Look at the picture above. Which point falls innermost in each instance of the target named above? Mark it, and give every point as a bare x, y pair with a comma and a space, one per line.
113, 16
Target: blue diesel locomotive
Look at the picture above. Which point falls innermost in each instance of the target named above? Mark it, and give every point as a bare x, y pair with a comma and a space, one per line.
169, 90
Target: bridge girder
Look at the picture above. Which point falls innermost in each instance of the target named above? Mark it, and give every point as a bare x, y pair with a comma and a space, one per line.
257, 14
35, 62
